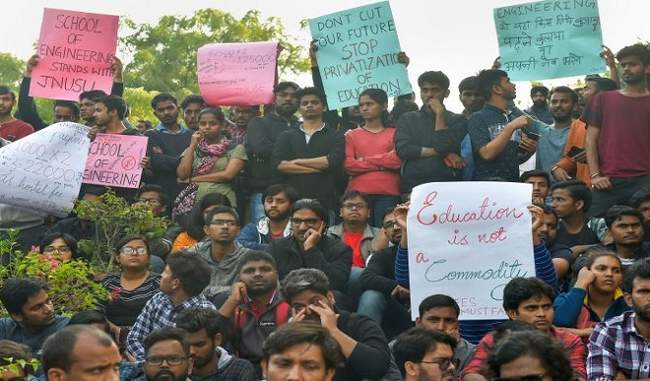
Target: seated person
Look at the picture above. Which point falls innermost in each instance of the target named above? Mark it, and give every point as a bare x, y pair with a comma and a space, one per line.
254, 309
625, 225
541, 182
310, 247
277, 199
61, 246
529, 300
301, 348
362, 342
641, 202
421, 354
32, 315
167, 355
571, 201
206, 335
11, 356
561, 255
596, 295
529, 356
193, 223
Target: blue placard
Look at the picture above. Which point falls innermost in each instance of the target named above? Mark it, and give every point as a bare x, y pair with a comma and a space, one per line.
357, 50
550, 39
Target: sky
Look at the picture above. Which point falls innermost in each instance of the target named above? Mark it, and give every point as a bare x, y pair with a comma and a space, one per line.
457, 37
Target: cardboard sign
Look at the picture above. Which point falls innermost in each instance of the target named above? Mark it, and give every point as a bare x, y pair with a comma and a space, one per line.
77, 50
237, 73
549, 39
468, 240
43, 171
114, 160
357, 50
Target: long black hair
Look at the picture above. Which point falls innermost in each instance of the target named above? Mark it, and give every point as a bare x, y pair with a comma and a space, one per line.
379, 96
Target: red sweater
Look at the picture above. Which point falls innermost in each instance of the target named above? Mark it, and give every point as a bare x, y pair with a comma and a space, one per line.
372, 162
15, 130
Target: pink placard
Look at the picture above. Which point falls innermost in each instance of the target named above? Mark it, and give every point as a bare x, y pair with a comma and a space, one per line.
114, 160
77, 50
237, 73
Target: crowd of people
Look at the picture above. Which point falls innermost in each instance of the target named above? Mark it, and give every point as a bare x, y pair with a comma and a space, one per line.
287, 255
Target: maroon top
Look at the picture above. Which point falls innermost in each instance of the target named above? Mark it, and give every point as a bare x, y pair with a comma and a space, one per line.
15, 130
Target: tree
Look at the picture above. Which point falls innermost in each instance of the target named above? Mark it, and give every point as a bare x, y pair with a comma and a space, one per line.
139, 101
164, 53
11, 70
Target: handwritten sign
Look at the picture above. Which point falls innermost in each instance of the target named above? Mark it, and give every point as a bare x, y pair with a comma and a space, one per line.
357, 50
77, 50
43, 170
549, 39
237, 73
114, 160
467, 240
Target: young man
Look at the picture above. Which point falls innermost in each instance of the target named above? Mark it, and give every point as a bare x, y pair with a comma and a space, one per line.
625, 225
262, 135
240, 117
278, 201
191, 107
428, 140
618, 347
618, 137
553, 137
539, 109
181, 287
541, 183
220, 250
254, 307
300, 351
573, 163
641, 201
362, 342
561, 254
473, 101
32, 317
155, 198
310, 157
167, 356
87, 101
423, 355
499, 132
529, 300
11, 128
309, 247
81, 352
206, 335
439, 313
571, 201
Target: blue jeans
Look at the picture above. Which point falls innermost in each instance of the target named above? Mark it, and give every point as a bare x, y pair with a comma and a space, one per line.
378, 205
256, 207
388, 313
373, 305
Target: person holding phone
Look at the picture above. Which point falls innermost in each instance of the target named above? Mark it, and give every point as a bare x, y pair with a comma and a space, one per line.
553, 137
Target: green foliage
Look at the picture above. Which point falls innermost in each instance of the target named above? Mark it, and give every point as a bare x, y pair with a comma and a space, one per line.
18, 366
139, 101
114, 218
164, 53
11, 70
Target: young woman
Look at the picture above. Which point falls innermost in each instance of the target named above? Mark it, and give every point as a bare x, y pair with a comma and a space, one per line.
210, 163
595, 297
370, 156
61, 245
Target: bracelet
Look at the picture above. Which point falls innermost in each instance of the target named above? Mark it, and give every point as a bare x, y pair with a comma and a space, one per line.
595, 174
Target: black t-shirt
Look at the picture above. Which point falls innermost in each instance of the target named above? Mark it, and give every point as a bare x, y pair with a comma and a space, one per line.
585, 236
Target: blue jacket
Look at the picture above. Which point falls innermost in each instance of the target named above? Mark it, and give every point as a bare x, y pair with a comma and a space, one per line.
569, 306
257, 236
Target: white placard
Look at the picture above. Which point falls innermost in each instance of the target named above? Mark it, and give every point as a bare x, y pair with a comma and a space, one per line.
43, 171
467, 240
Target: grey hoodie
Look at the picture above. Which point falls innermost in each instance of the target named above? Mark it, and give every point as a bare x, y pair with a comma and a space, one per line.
224, 272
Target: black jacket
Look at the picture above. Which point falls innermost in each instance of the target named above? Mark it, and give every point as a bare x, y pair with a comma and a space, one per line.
415, 130
379, 275
331, 256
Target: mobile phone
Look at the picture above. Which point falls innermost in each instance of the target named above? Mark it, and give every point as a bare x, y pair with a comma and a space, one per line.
532, 135
575, 151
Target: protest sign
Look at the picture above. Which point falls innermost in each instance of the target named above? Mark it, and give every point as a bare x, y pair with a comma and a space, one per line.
549, 39
43, 171
77, 50
467, 240
237, 73
357, 50
114, 160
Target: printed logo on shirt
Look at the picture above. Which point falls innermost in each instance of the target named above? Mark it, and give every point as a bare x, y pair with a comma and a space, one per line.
496, 130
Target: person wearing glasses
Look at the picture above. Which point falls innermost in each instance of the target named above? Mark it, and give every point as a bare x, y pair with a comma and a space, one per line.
131, 288
167, 356
529, 356
308, 247
221, 251
60, 246
424, 355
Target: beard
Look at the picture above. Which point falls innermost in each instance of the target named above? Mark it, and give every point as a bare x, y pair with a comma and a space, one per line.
166, 375
643, 313
633, 79
281, 216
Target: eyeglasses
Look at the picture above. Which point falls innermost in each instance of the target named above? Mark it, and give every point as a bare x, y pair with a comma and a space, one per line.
227, 223
128, 250
443, 363
171, 360
389, 224
530, 377
149, 201
60, 249
306, 221
352, 206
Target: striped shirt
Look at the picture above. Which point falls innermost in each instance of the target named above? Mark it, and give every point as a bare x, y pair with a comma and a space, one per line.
124, 306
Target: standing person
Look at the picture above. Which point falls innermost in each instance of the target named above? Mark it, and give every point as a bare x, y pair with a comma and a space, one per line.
424, 355
11, 128
473, 101
240, 117
310, 156
618, 137
428, 140
278, 201
540, 109
210, 163
262, 135
553, 138
573, 163
370, 156
498, 132
191, 107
